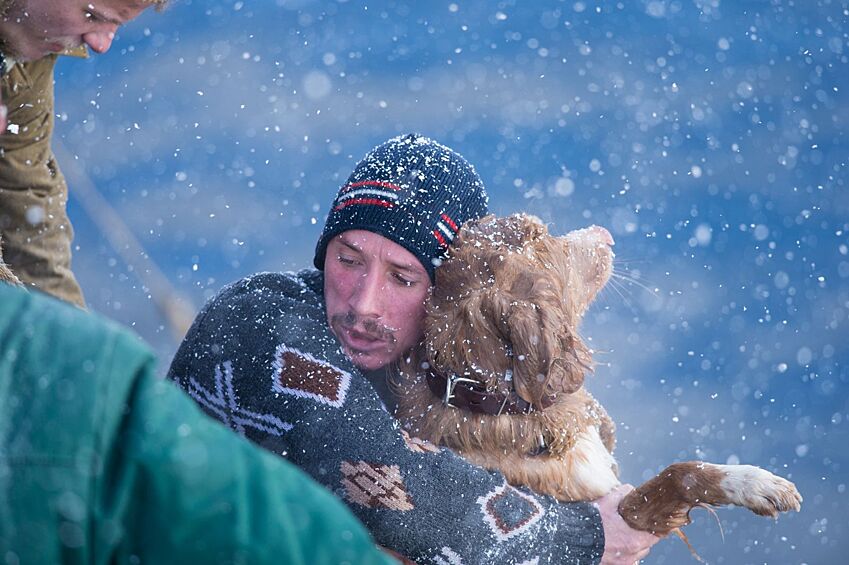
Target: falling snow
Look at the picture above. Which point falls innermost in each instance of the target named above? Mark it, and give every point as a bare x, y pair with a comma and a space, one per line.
708, 136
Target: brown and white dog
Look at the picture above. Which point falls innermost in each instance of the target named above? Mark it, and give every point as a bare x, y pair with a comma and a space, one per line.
500, 378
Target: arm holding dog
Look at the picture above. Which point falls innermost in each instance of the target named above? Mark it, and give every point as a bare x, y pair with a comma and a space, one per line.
622, 544
261, 358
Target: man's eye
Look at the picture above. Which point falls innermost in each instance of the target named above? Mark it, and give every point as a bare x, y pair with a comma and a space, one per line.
403, 280
345, 260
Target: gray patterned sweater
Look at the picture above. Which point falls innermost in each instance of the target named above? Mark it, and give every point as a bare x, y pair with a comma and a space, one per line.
261, 358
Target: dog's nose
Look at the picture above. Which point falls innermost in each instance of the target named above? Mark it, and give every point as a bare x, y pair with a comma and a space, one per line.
602, 234
590, 235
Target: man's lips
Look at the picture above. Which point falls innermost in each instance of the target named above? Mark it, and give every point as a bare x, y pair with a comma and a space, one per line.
360, 341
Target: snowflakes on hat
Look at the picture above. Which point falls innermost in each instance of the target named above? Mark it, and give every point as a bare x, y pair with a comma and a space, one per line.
224, 403
375, 486
509, 512
302, 375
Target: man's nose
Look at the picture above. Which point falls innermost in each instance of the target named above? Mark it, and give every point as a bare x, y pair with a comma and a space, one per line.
100, 41
368, 298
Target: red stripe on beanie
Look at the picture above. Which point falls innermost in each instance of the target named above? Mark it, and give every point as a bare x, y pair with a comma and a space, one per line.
369, 201
371, 183
450, 222
439, 238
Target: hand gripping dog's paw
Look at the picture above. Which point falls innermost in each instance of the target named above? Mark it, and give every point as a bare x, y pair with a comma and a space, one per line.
758, 490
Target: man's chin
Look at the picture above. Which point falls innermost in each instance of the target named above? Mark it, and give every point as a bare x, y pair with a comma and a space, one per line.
366, 360
29, 55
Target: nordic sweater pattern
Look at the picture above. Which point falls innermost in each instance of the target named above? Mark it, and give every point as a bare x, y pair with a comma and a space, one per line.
260, 358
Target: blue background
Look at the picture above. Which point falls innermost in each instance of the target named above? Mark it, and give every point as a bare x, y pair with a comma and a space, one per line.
709, 136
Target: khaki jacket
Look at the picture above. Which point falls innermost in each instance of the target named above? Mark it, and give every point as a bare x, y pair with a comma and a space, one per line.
34, 227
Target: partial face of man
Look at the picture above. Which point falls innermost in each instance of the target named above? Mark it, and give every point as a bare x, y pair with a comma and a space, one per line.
31, 29
375, 292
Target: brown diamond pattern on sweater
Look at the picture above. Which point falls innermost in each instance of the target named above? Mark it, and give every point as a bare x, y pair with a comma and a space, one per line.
302, 375
374, 486
509, 512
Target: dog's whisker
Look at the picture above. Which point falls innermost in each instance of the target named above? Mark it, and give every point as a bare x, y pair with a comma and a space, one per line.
628, 274
624, 261
627, 285
637, 282
601, 297
616, 282
633, 275
625, 294
620, 290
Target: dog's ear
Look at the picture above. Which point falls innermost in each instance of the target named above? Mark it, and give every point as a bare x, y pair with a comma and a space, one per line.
545, 358
460, 337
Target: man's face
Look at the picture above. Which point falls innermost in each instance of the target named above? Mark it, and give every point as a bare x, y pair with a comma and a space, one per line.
31, 29
375, 291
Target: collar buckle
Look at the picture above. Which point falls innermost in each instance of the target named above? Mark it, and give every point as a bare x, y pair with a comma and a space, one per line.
450, 383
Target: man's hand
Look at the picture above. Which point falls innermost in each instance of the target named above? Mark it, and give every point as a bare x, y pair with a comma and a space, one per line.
622, 545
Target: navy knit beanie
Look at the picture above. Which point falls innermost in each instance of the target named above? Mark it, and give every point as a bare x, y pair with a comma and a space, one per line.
411, 190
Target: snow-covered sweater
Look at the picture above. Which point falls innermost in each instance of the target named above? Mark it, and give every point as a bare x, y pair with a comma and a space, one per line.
261, 358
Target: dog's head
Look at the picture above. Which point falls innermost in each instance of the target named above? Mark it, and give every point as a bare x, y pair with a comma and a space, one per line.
507, 304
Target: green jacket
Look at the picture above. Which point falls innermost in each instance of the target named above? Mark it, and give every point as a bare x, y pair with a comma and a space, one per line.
101, 461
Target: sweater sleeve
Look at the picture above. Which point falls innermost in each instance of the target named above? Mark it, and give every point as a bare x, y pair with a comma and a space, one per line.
188, 488
261, 359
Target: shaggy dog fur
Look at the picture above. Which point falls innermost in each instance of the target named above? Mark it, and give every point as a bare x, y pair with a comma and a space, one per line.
6, 275
505, 313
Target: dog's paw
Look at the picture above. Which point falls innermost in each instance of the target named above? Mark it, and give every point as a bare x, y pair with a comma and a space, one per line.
760, 491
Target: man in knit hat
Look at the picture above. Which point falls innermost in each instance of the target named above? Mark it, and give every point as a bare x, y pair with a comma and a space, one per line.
298, 364
402, 204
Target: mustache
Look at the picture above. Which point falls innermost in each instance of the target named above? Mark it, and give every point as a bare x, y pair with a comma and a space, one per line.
374, 329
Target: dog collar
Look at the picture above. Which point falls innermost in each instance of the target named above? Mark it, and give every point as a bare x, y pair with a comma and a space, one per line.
471, 395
